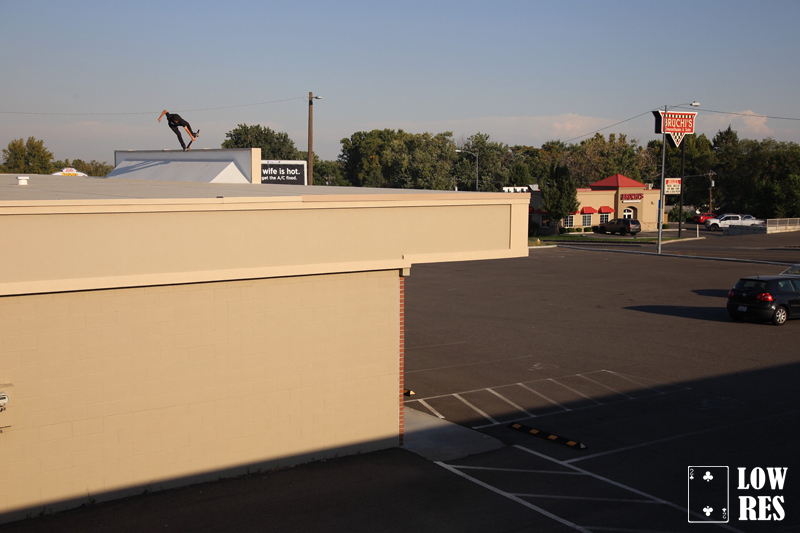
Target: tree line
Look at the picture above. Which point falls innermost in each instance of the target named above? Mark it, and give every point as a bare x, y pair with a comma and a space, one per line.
757, 177
32, 157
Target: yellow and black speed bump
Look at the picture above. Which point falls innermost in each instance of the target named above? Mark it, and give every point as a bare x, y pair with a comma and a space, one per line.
549, 436
408, 392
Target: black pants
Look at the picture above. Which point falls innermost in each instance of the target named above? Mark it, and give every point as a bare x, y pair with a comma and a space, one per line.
177, 130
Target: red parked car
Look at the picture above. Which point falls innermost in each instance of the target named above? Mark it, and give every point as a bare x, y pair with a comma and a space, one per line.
700, 218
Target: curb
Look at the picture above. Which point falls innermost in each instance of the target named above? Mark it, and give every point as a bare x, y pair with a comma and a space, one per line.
728, 259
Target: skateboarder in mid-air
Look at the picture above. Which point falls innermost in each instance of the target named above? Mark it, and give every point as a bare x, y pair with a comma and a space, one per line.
174, 121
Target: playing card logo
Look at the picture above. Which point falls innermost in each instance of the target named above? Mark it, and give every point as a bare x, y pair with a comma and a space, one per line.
709, 497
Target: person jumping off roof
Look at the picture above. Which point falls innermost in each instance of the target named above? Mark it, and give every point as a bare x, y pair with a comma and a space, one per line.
174, 121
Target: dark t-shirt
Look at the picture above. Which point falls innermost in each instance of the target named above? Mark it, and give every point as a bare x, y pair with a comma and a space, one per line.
175, 120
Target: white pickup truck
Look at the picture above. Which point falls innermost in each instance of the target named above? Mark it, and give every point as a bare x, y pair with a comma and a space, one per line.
730, 219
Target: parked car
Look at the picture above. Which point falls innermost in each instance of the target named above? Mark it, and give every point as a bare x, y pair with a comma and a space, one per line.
621, 225
793, 270
773, 298
730, 219
700, 218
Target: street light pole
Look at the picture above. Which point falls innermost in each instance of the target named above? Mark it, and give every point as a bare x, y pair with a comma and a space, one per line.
311, 99
683, 166
476, 165
660, 220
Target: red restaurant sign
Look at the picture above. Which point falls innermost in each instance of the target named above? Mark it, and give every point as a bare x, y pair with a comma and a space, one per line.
675, 123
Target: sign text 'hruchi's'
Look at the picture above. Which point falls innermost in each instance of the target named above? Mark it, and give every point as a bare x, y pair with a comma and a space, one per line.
676, 124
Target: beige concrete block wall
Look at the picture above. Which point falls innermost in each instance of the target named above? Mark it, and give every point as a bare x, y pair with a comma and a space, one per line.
115, 391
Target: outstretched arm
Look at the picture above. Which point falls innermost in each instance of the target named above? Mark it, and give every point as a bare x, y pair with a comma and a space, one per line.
189, 132
162, 114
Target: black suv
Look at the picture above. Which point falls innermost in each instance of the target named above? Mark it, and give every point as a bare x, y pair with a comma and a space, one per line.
621, 225
773, 298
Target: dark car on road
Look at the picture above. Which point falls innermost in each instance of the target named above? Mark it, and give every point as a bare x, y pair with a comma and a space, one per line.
621, 225
773, 298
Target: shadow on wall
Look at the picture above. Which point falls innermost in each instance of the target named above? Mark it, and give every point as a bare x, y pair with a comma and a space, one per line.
64, 508
139, 166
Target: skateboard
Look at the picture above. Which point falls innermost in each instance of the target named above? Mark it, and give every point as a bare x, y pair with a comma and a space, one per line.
188, 146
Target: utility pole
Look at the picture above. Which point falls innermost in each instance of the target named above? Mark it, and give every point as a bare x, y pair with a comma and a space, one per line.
311, 138
683, 164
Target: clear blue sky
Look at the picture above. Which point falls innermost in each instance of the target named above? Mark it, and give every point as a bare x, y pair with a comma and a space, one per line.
524, 72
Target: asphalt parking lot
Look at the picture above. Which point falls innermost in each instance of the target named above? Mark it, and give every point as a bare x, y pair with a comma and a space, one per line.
630, 354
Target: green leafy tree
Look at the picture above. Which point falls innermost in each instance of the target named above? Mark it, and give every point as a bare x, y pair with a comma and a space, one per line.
325, 172
30, 157
700, 159
395, 158
274, 145
92, 168
538, 160
559, 194
597, 158
430, 161
519, 175
495, 160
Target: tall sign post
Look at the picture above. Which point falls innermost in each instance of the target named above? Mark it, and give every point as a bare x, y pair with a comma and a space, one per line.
311, 99
677, 124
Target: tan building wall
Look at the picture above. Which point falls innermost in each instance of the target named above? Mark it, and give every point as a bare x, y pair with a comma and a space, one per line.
157, 334
120, 390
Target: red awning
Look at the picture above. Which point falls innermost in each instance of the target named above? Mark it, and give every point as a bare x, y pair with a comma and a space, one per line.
606, 209
588, 210
540, 212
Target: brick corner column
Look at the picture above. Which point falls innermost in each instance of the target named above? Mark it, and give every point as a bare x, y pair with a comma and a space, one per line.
401, 354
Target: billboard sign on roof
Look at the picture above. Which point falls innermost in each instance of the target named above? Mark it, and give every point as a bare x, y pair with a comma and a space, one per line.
284, 172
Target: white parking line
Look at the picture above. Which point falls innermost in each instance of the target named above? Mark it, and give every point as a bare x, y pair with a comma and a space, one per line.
587, 378
624, 530
656, 499
512, 404
528, 414
673, 437
586, 498
476, 409
543, 396
638, 383
431, 409
579, 393
513, 498
519, 470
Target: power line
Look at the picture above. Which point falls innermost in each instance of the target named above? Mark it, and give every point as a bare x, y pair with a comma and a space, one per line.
151, 112
607, 127
747, 114
700, 111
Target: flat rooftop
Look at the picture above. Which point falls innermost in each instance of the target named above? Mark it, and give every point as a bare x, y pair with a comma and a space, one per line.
53, 188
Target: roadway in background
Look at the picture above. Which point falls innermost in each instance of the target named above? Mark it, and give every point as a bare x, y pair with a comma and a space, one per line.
776, 247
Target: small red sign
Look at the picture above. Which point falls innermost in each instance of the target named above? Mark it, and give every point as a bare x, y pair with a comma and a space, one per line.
631, 197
